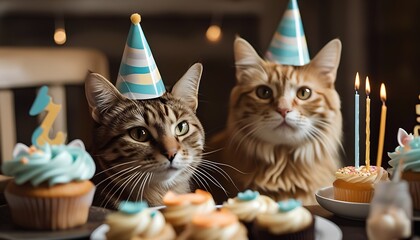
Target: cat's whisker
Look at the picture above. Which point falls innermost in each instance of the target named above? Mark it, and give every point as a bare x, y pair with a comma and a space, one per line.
217, 169
209, 177
118, 165
211, 152
125, 184
252, 131
199, 178
143, 186
223, 164
239, 131
119, 174
107, 198
137, 179
125, 179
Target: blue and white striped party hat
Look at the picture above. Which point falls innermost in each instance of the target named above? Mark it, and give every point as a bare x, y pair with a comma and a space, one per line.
288, 45
139, 77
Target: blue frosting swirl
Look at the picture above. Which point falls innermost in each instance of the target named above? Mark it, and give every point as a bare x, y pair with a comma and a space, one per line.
410, 155
248, 195
52, 164
288, 205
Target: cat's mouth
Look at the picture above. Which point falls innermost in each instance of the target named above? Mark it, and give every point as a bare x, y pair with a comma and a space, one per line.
284, 124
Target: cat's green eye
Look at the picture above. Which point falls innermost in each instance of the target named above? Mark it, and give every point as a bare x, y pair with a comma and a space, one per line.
182, 128
304, 93
264, 92
139, 134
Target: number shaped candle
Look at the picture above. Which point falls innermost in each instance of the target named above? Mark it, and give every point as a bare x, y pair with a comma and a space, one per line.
43, 102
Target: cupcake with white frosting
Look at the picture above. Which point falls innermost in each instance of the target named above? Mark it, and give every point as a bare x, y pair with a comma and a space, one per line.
291, 221
248, 204
135, 221
357, 184
219, 224
180, 208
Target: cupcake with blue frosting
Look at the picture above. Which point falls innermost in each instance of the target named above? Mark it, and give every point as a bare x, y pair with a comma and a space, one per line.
51, 187
248, 204
291, 221
405, 160
136, 221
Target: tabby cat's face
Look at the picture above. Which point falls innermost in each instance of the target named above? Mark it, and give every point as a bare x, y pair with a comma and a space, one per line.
156, 141
281, 104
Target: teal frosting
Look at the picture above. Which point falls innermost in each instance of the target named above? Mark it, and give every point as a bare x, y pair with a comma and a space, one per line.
128, 207
288, 205
248, 195
409, 154
52, 164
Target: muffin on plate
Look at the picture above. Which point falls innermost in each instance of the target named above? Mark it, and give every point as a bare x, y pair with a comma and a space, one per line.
357, 184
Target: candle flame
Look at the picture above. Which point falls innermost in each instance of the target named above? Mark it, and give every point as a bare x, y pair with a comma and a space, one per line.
367, 86
357, 82
383, 93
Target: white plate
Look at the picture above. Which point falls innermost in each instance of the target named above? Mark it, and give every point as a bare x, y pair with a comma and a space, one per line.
324, 230
351, 210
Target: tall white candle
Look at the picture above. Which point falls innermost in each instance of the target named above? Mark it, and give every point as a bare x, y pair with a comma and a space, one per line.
356, 121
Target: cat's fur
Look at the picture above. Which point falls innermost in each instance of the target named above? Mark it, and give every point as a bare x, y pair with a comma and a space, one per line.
283, 145
140, 147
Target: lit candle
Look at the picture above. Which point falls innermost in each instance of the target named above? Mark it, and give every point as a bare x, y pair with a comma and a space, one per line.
381, 127
356, 121
367, 160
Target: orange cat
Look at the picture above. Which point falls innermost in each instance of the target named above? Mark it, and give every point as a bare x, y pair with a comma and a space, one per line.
284, 126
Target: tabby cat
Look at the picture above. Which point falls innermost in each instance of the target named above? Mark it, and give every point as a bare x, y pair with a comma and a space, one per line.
284, 127
143, 148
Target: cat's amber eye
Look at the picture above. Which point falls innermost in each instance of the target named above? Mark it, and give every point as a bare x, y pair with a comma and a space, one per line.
264, 92
304, 93
140, 134
182, 128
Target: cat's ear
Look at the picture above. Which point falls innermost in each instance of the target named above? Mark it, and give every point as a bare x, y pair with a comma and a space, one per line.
100, 94
186, 89
245, 57
327, 60
245, 54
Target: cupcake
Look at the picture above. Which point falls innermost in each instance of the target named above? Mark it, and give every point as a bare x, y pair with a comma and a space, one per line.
357, 184
51, 187
219, 224
180, 208
135, 221
408, 155
248, 204
290, 221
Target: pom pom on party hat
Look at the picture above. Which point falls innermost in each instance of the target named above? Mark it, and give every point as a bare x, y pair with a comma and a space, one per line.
139, 77
288, 45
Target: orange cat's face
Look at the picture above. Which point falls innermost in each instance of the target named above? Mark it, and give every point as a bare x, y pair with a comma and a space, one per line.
285, 105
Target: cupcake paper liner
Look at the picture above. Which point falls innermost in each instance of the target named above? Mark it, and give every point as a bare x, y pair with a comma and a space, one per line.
49, 213
414, 187
349, 195
307, 233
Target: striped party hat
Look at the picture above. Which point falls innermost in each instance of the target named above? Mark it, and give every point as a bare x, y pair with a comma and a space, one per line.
288, 45
139, 77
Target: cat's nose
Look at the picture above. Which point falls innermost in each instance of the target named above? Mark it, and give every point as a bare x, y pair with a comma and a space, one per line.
170, 154
283, 111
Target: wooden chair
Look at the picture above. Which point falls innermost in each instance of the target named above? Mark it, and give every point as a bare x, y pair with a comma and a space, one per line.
29, 67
